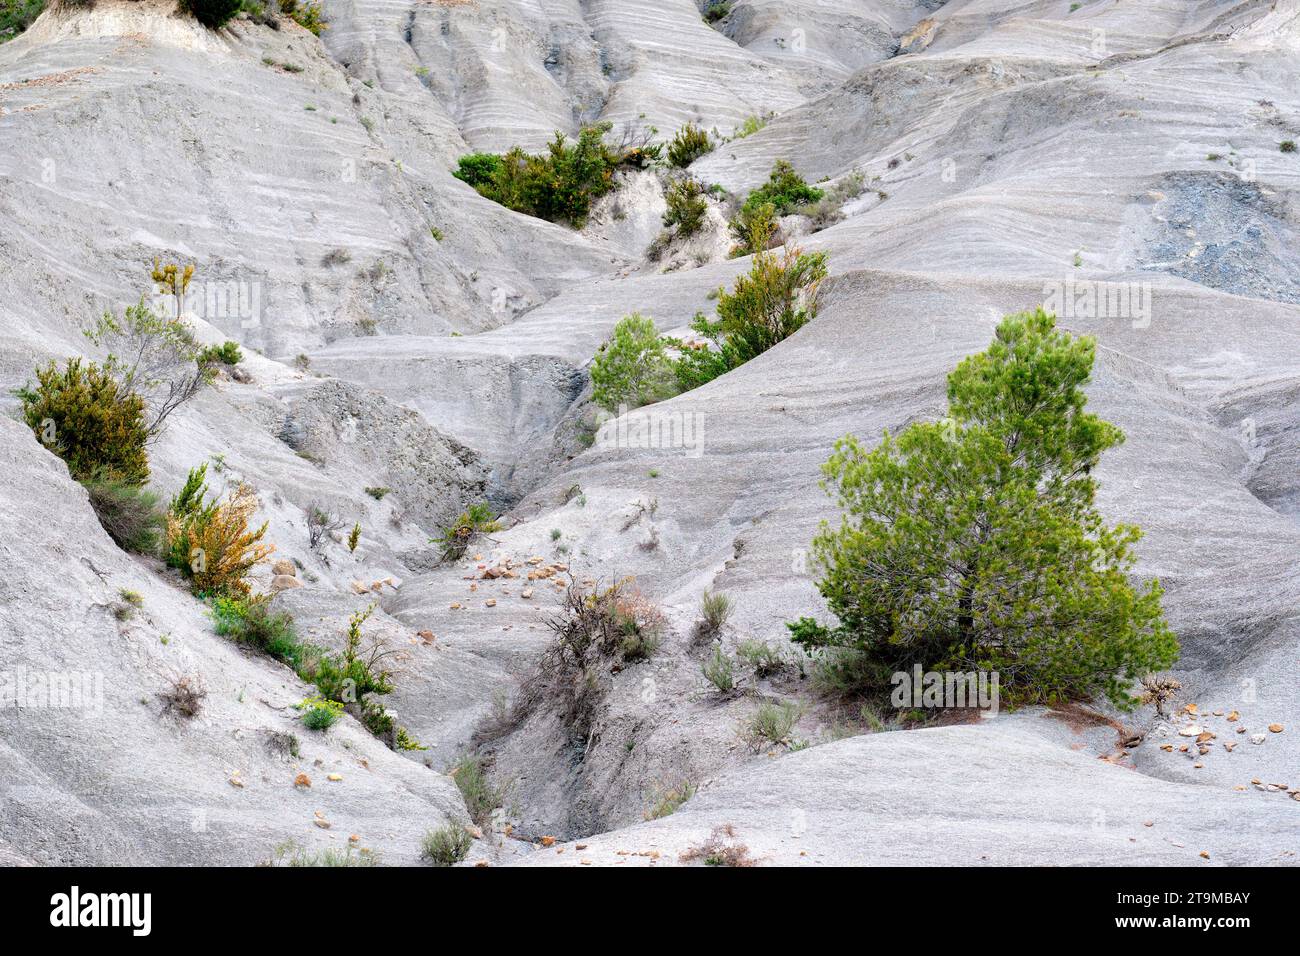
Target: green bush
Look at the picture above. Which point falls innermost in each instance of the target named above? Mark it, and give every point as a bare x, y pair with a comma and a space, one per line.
720, 670
715, 610
716, 12
320, 714
82, 414
688, 145
154, 354
763, 657
973, 544
753, 224
558, 185
478, 169
213, 14
306, 15
228, 353
355, 677
211, 542
131, 514
251, 621
773, 721
447, 845
776, 298
632, 368
687, 207
785, 190
456, 538
481, 796
17, 15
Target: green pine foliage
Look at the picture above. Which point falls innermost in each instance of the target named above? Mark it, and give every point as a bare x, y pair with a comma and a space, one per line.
84, 416
213, 14
687, 207
558, 185
785, 190
632, 368
975, 544
688, 145
776, 298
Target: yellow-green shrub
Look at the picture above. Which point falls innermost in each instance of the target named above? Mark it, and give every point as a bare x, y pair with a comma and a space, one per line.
210, 541
81, 414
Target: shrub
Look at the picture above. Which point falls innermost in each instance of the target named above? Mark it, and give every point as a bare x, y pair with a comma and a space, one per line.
667, 802
750, 225
292, 854
719, 670
377, 492
715, 610
456, 538
688, 145
974, 544
130, 514
749, 127
84, 416
354, 677
559, 185
481, 797
210, 541
720, 849
320, 524
348, 676
687, 207
251, 621
716, 12
478, 169
184, 695
776, 298
632, 368
829, 209
306, 15
213, 14
228, 353
447, 845
319, 713
354, 536
785, 190
17, 15
1287, 146
1160, 689
763, 657
155, 356
773, 722
595, 630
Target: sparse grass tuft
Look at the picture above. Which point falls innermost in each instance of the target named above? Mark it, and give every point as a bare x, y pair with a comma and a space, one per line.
720, 670
773, 722
447, 845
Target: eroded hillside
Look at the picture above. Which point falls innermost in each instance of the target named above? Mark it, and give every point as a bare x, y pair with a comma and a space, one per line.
403, 333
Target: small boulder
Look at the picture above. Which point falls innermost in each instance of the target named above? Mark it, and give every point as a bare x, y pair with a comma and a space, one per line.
284, 582
284, 566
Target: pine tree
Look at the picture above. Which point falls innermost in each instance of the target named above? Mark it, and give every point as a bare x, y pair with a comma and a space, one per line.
974, 543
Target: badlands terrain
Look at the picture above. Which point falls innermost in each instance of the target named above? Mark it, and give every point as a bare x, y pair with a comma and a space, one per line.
404, 332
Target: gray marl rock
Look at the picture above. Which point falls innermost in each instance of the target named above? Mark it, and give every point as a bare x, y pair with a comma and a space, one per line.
1009, 152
